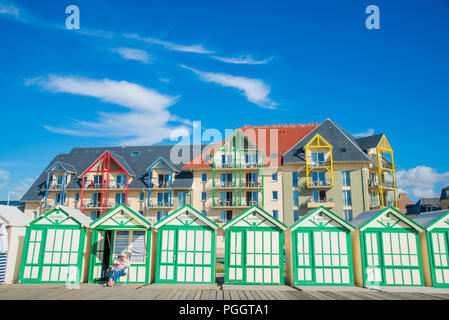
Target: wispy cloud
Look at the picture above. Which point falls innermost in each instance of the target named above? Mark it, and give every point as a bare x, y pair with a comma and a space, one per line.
147, 120
243, 59
134, 54
421, 181
255, 90
4, 178
9, 9
196, 48
19, 188
366, 133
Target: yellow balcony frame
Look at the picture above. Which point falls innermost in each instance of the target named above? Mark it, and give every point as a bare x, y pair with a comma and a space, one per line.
385, 147
320, 143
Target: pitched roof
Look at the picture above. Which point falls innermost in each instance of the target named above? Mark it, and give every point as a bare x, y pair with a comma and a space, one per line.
363, 219
370, 141
183, 209
13, 216
418, 207
287, 136
425, 219
144, 156
260, 211
345, 147
94, 224
67, 167
77, 215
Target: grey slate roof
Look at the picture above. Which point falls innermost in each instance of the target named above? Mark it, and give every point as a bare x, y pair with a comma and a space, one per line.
83, 158
365, 217
425, 219
337, 137
422, 203
369, 142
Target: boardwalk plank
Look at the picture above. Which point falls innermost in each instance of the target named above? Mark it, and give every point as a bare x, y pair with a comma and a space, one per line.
234, 295
220, 295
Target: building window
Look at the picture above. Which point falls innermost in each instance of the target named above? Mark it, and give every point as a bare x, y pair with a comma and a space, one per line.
135, 153
347, 201
161, 214
295, 215
204, 213
181, 199
275, 195
318, 159
121, 181
94, 215
274, 177
141, 212
204, 177
295, 198
275, 214
58, 198
141, 196
203, 196
348, 215
34, 214
77, 197
295, 179
120, 198
342, 150
225, 215
373, 198
345, 179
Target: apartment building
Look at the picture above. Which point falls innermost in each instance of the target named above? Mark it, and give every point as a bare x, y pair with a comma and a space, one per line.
288, 170
95, 180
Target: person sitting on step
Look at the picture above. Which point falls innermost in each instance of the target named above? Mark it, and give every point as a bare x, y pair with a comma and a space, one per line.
118, 269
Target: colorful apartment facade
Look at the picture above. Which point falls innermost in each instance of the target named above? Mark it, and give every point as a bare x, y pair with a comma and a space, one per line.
288, 170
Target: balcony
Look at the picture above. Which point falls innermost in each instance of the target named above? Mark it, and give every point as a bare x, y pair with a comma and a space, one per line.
97, 205
251, 165
384, 163
315, 203
55, 186
225, 166
320, 184
319, 164
225, 184
224, 203
387, 184
159, 204
160, 185
373, 183
251, 184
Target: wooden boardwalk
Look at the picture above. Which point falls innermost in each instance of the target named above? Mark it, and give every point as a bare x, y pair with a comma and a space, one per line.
210, 292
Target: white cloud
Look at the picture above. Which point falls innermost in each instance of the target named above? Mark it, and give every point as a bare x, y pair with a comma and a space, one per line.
421, 181
4, 178
366, 133
196, 48
147, 120
255, 90
9, 9
21, 187
242, 60
133, 54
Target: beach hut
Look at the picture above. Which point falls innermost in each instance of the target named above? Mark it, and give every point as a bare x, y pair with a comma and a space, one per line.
12, 234
254, 243
318, 249
435, 247
185, 247
386, 249
56, 247
121, 230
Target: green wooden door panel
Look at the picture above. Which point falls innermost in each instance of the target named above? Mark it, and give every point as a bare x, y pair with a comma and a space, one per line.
438, 251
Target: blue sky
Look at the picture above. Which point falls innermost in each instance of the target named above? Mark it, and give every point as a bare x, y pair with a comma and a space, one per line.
137, 70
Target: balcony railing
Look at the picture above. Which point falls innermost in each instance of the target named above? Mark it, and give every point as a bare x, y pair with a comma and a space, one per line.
251, 184
225, 184
252, 165
252, 203
320, 183
326, 200
225, 165
384, 163
159, 204
92, 204
223, 203
55, 186
387, 184
388, 203
318, 164
160, 185
373, 183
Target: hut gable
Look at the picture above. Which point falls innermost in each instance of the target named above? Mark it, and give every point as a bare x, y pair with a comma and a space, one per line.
255, 217
322, 218
186, 216
121, 216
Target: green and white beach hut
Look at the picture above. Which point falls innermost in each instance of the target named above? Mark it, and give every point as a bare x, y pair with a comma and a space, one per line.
185, 247
435, 247
254, 243
386, 249
121, 230
56, 247
318, 250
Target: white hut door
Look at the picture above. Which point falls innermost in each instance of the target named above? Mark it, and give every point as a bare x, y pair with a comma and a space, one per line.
61, 255
235, 256
400, 258
167, 256
99, 255
31, 269
262, 257
303, 258
373, 264
194, 256
440, 257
